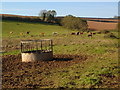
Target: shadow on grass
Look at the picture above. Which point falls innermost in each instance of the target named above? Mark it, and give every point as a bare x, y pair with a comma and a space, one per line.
29, 21
62, 59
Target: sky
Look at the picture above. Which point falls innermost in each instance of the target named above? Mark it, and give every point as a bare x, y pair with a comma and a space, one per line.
60, 0
79, 9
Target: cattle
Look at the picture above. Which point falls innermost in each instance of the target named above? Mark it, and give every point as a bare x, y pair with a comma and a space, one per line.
11, 32
72, 33
54, 33
28, 32
21, 33
93, 33
42, 34
89, 35
81, 33
78, 33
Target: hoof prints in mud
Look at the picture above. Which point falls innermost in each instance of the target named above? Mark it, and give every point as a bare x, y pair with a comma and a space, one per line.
16, 73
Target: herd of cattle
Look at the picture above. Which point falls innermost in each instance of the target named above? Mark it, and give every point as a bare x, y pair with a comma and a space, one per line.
89, 34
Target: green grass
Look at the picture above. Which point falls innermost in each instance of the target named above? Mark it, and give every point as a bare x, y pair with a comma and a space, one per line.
103, 54
34, 28
88, 75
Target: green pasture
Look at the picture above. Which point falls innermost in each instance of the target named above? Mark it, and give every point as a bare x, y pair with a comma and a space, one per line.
33, 28
102, 54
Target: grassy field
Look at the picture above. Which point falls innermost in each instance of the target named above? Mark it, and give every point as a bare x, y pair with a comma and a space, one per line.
35, 29
100, 70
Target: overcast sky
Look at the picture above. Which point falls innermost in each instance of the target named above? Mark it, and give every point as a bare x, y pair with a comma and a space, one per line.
80, 9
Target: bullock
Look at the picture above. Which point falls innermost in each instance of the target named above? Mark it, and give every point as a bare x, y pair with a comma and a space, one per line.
42, 34
89, 35
11, 32
93, 33
78, 33
28, 32
54, 33
81, 33
72, 33
21, 33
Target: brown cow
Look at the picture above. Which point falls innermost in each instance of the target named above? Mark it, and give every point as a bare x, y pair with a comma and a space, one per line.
21, 33
42, 34
93, 33
28, 32
81, 33
72, 33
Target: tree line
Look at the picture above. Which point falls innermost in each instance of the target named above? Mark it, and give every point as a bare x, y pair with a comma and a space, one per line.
69, 21
49, 17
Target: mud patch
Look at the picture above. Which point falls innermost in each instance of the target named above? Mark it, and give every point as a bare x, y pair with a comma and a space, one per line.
17, 74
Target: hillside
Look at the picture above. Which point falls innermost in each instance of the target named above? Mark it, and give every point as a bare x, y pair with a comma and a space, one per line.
34, 28
79, 61
93, 23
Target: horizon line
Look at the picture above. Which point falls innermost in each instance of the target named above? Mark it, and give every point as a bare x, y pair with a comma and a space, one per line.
59, 16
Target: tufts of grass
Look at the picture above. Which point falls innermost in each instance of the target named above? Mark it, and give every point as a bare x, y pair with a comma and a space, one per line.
15, 52
111, 35
99, 70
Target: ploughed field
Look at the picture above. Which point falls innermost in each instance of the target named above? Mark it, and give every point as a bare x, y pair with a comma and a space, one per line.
79, 61
102, 25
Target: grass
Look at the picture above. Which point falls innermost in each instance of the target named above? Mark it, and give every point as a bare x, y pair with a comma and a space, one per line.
89, 74
35, 29
98, 71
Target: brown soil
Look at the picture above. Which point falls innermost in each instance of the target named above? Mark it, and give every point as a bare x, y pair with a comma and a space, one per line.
101, 25
16, 72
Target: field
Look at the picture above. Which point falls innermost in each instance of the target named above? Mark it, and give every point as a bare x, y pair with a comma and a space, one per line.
79, 61
93, 23
102, 25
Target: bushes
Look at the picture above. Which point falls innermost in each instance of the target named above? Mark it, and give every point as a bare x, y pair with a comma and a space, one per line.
74, 23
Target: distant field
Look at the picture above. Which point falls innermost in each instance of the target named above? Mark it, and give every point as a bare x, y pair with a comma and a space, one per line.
103, 19
102, 25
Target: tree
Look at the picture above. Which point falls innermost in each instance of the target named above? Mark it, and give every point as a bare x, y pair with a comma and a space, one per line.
74, 23
51, 15
43, 14
48, 15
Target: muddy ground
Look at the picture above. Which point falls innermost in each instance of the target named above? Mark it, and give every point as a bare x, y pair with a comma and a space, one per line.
16, 74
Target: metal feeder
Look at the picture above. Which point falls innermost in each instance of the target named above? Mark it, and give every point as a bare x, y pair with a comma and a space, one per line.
36, 50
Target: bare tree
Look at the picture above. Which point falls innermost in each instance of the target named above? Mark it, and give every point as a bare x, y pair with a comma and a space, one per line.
43, 14
48, 14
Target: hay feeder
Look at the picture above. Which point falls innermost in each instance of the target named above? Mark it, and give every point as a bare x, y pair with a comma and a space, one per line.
36, 50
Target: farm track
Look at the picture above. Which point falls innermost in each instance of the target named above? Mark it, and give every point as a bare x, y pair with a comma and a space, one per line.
15, 71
